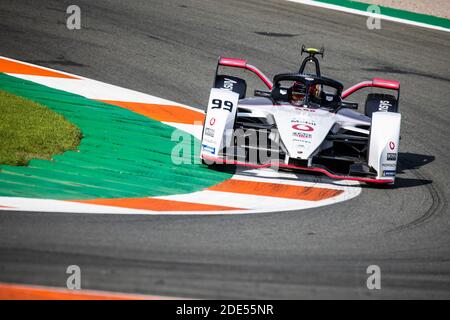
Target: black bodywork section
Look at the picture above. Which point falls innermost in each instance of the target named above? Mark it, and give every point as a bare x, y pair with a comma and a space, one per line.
235, 84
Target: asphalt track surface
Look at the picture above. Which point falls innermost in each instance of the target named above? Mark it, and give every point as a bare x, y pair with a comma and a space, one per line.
169, 49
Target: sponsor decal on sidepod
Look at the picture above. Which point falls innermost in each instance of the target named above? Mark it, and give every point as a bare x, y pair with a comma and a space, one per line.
391, 157
304, 128
392, 145
209, 132
208, 148
229, 84
389, 173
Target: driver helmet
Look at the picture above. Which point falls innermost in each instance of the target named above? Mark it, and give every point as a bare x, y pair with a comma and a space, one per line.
314, 92
297, 93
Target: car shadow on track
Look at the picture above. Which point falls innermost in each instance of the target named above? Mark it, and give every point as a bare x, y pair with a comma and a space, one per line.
412, 161
406, 161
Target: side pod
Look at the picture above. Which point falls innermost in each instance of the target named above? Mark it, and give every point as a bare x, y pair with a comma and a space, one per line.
219, 122
384, 140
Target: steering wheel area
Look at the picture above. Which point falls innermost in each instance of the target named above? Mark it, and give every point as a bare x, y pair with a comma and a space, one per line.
301, 89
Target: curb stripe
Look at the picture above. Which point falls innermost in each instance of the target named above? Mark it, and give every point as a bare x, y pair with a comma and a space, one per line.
154, 204
394, 12
293, 179
275, 190
26, 292
8, 66
390, 14
163, 113
252, 203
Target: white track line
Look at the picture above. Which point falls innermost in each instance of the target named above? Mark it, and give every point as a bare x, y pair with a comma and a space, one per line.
97, 90
195, 130
47, 205
296, 179
369, 14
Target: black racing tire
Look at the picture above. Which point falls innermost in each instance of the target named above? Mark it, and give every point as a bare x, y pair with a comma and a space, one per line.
380, 102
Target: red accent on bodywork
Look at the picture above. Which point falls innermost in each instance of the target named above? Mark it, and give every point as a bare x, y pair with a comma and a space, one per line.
376, 83
387, 84
291, 166
233, 62
392, 145
241, 63
261, 75
302, 127
356, 87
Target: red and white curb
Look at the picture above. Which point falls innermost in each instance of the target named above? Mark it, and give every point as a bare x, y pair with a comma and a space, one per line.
248, 191
12, 291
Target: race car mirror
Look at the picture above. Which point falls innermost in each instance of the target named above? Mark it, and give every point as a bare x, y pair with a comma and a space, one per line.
219, 121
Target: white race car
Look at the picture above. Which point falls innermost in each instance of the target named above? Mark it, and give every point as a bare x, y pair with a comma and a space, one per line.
303, 122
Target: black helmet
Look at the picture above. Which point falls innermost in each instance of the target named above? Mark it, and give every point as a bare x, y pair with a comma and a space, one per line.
297, 93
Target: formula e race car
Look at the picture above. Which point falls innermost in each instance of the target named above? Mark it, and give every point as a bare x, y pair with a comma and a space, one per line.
303, 122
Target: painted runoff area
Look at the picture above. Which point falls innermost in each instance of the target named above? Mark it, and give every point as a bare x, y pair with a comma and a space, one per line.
389, 14
123, 164
32, 292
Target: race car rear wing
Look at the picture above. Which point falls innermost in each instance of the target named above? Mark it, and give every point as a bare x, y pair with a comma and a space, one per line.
242, 64
374, 83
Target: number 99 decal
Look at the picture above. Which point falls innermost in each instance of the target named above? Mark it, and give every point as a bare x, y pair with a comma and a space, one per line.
219, 104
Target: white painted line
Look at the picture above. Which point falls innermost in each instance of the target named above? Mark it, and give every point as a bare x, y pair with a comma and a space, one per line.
244, 201
96, 90
48, 205
195, 130
40, 67
295, 179
255, 204
369, 14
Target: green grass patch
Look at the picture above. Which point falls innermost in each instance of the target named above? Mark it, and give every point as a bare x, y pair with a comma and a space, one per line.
29, 130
